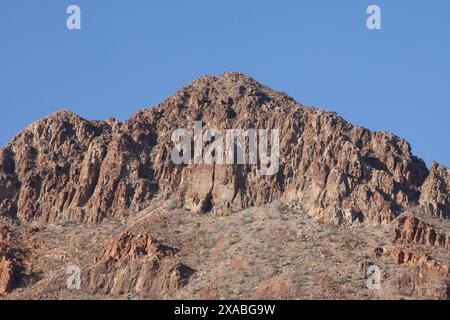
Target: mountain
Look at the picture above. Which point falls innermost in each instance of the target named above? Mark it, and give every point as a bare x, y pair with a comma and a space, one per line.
93, 178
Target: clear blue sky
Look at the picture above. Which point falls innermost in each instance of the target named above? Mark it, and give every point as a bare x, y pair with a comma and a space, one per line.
133, 54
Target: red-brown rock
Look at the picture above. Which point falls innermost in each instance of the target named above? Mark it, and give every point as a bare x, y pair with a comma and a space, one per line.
65, 167
132, 264
435, 192
413, 230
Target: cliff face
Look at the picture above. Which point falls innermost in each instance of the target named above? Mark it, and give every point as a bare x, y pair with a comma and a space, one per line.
65, 167
435, 192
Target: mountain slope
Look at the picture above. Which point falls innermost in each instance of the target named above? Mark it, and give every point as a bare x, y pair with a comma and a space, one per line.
67, 167
95, 179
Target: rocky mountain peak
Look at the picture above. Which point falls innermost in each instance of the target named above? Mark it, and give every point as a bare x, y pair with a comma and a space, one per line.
66, 167
107, 196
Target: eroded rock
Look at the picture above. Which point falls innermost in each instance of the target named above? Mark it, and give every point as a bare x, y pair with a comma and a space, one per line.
424, 277
413, 230
10, 261
65, 167
137, 264
435, 192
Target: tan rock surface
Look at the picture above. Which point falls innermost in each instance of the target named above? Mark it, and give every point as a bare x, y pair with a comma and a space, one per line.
435, 192
137, 265
92, 192
10, 261
425, 277
65, 167
413, 230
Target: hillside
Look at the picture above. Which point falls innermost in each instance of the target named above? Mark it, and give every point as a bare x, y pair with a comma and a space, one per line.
107, 197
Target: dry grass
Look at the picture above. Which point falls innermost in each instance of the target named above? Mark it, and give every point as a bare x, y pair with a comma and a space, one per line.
267, 252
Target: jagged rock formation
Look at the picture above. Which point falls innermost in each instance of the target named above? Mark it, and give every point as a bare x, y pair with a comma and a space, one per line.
412, 230
10, 261
435, 192
6, 275
65, 167
425, 277
331, 169
139, 265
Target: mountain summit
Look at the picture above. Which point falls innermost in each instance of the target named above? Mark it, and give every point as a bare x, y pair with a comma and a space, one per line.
67, 169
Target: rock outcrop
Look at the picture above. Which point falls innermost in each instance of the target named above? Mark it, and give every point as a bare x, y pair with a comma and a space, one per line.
334, 171
65, 167
410, 229
435, 192
424, 276
10, 261
139, 265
